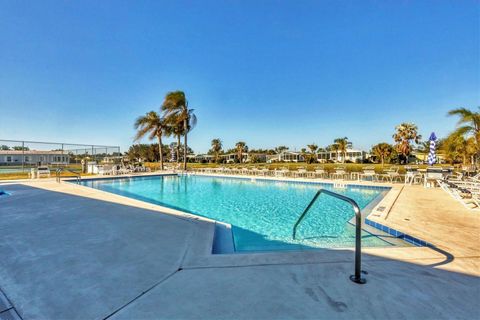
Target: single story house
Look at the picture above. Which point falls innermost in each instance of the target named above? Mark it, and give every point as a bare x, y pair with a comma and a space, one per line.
33, 157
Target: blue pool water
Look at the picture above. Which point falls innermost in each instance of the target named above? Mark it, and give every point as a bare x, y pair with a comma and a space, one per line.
262, 212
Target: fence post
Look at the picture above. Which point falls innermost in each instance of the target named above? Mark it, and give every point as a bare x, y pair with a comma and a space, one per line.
23, 156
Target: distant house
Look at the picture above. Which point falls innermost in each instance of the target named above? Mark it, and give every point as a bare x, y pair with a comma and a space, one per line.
352, 155
286, 156
33, 157
233, 157
200, 158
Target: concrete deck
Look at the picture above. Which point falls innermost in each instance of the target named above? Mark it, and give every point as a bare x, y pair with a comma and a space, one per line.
70, 252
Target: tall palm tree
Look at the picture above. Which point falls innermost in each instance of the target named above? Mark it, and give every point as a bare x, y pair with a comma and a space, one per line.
382, 151
216, 148
151, 123
175, 128
468, 125
342, 144
241, 147
176, 107
404, 135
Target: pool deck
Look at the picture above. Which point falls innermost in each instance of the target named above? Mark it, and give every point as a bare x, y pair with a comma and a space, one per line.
71, 252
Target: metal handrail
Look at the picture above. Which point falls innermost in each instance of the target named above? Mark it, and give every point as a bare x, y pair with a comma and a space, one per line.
59, 171
357, 277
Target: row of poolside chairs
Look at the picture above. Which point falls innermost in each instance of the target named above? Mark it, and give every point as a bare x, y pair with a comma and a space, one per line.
391, 175
120, 169
462, 188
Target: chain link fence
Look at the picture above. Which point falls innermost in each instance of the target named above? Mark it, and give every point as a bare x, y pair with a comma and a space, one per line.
18, 157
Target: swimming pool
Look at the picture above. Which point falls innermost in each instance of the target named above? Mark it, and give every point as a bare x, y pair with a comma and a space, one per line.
262, 212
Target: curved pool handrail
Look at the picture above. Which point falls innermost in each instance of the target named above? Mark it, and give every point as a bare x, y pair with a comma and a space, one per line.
357, 277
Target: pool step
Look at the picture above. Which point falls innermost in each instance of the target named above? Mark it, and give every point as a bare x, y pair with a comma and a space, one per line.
223, 239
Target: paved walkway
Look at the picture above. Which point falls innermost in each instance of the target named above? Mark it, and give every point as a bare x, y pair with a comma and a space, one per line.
431, 214
69, 252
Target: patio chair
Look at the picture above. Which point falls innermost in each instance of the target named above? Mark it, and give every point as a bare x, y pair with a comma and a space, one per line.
468, 199
369, 172
283, 172
263, 172
412, 175
475, 178
300, 173
321, 173
340, 173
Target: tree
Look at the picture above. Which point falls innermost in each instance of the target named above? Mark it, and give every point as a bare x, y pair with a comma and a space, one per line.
468, 125
458, 149
241, 147
153, 124
176, 108
311, 157
424, 148
20, 148
342, 145
175, 128
216, 148
4, 147
382, 151
333, 147
280, 149
405, 134
313, 148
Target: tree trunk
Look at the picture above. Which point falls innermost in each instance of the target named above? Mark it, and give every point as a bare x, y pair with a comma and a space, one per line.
178, 148
383, 161
185, 147
160, 150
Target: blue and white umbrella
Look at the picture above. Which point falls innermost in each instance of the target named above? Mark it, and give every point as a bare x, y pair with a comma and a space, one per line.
432, 158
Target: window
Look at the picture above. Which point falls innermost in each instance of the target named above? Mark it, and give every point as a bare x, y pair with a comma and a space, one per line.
9, 159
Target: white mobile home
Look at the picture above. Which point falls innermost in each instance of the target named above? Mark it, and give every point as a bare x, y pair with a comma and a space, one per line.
33, 157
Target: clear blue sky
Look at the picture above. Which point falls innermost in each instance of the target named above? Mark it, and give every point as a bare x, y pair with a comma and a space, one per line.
265, 72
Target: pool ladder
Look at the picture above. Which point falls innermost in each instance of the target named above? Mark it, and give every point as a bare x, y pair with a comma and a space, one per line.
58, 174
357, 277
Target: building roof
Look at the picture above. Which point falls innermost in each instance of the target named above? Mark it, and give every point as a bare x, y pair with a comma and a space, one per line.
31, 152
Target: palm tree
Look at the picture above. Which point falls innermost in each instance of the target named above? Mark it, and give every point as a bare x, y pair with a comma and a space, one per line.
216, 148
313, 148
424, 148
176, 108
175, 128
468, 125
382, 151
404, 135
312, 156
155, 125
280, 149
241, 147
334, 148
342, 145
